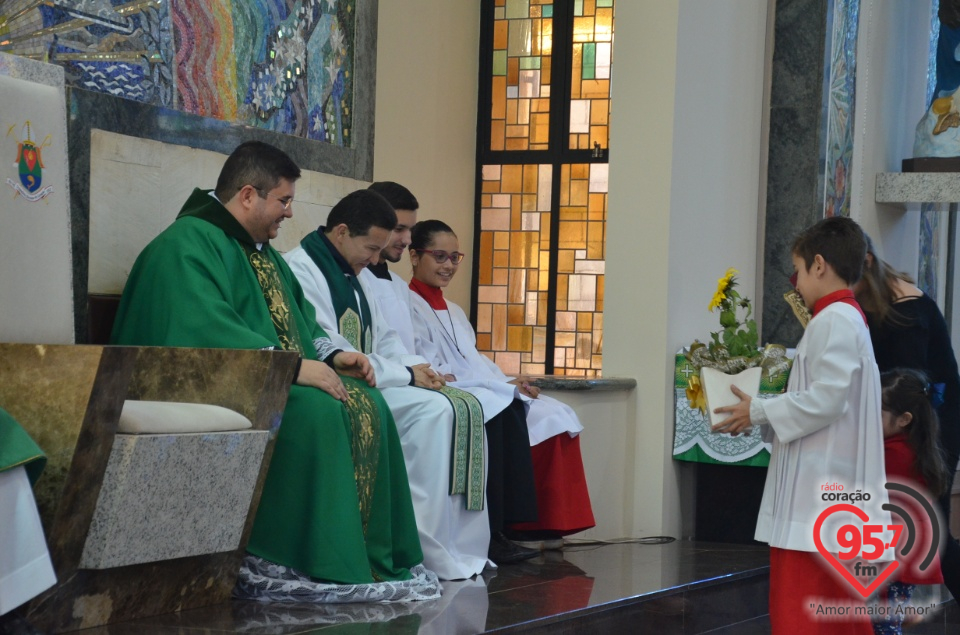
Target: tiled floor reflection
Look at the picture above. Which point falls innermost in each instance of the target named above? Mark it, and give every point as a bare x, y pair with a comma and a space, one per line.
605, 584
682, 587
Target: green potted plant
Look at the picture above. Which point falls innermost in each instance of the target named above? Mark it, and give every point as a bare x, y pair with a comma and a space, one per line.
732, 356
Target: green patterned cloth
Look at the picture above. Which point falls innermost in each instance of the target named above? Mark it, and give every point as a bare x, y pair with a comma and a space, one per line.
693, 440
17, 448
466, 464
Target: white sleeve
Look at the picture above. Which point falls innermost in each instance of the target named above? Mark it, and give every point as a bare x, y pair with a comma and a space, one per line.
427, 347
387, 341
831, 367
317, 291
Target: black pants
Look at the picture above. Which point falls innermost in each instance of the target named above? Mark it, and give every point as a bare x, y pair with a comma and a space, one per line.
511, 493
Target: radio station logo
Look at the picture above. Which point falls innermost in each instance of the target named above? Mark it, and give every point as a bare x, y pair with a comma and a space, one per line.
864, 560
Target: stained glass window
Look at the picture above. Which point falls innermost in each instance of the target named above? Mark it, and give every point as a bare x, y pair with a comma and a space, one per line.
590, 74
514, 254
520, 82
581, 244
542, 194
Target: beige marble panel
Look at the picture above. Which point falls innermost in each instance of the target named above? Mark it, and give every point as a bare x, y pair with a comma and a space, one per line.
137, 187
121, 185
123, 149
306, 218
182, 170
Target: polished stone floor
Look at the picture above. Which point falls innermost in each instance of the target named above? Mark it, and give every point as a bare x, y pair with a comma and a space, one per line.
679, 587
597, 581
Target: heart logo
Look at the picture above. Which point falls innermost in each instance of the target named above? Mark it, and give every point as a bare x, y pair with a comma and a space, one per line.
865, 591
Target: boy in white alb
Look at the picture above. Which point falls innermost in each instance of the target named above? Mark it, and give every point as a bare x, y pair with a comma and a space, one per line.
825, 429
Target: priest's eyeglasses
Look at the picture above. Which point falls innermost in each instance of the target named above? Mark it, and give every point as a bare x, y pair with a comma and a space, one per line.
284, 200
441, 256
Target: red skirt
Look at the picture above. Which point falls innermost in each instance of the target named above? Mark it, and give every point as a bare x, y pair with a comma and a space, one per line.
563, 502
799, 579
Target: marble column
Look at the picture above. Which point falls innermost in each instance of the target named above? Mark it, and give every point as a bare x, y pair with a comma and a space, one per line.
796, 108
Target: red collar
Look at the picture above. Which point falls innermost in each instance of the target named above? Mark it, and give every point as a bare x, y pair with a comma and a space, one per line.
843, 295
433, 295
900, 437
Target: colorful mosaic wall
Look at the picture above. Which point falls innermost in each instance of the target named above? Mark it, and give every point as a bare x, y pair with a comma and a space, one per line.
590, 76
839, 104
522, 62
274, 64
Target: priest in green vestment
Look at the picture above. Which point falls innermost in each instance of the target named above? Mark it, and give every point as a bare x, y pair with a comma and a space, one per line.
335, 521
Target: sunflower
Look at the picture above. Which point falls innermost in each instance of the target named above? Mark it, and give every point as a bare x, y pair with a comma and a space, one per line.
723, 284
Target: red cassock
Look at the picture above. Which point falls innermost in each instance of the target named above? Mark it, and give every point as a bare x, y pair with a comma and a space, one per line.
563, 501
799, 579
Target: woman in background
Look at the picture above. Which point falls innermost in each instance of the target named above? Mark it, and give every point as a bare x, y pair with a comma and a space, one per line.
908, 331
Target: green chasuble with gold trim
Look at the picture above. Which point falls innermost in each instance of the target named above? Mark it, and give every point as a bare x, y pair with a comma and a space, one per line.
353, 319
17, 448
336, 502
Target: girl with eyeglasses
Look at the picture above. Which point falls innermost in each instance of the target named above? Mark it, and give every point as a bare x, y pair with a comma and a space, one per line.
446, 339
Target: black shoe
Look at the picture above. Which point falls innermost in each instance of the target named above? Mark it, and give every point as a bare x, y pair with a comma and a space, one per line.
502, 551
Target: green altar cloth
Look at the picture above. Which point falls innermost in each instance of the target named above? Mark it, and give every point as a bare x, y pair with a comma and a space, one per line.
693, 440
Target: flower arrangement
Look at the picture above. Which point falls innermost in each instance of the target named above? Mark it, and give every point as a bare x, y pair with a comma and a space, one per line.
737, 337
735, 347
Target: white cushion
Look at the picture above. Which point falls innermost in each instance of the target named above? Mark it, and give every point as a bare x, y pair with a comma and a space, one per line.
171, 417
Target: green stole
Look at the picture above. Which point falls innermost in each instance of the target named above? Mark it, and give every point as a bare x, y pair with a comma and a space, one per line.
17, 448
361, 410
353, 318
466, 460
466, 451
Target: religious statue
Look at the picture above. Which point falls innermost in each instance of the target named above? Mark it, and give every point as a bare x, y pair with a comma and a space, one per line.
938, 132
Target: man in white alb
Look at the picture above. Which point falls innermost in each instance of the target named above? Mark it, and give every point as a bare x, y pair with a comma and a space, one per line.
451, 516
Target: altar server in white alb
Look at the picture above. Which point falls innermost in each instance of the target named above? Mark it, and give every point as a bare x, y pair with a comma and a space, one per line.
388, 289
826, 432
447, 486
445, 337
506, 427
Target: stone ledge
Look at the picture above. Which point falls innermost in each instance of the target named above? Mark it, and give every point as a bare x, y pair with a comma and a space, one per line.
917, 187
565, 382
